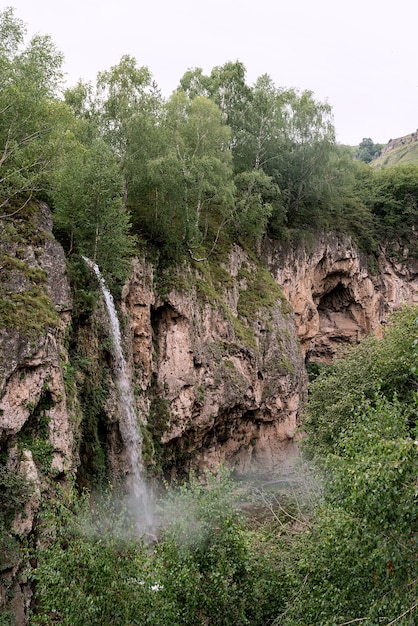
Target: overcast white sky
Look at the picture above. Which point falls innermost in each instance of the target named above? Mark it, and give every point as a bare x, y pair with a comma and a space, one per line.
359, 55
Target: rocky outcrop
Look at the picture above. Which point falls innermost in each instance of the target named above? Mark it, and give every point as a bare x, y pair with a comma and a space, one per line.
334, 295
222, 388
37, 432
31, 368
216, 352
399, 141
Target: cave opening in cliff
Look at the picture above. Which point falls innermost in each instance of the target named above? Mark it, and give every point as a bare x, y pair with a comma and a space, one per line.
162, 317
337, 299
338, 323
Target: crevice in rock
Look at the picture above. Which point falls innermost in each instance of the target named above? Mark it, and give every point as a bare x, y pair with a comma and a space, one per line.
338, 299
164, 314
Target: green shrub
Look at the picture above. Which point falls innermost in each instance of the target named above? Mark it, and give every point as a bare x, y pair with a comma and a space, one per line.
14, 491
208, 567
359, 561
386, 365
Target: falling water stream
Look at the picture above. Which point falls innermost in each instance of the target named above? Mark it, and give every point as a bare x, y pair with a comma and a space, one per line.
140, 501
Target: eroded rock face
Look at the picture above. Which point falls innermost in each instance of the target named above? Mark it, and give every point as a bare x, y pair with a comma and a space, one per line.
36, 427
336, 299
31, 367
215, 397
37, 383
219, 375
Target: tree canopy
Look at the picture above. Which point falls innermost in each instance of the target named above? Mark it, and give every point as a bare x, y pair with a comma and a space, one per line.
31, 117
219, 156
367, 150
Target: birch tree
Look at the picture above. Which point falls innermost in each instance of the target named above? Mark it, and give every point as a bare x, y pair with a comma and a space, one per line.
199, 161
29, 115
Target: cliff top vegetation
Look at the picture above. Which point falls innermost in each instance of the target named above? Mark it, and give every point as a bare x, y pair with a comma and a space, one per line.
218, 161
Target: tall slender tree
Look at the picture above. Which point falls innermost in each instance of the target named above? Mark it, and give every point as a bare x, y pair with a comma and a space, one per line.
310, 144
129, 100
30, 76
89, 215
198, 162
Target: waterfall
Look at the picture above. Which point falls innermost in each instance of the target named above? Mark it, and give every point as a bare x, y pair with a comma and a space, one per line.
140, 501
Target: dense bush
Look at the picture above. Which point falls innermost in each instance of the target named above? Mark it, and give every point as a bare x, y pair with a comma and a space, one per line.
394, 202
208, 567
14, 492
359, 563
388, 366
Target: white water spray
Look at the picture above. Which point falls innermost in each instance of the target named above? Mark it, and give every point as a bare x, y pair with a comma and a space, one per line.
140, 500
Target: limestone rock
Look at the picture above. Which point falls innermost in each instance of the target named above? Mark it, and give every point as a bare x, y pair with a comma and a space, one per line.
31, 367
335, 297
24, 465
37, 429
215, 398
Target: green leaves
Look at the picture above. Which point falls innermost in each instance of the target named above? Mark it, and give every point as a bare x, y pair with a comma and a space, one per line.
373, 366
394, 201
367, 150
30, 78
93, 568
361, 559
89, 216
360, 562
374, 471
192, 177
219, 152
253, 209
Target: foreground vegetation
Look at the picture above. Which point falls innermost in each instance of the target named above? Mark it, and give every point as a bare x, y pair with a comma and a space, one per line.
338, 547
207, 567
361, 560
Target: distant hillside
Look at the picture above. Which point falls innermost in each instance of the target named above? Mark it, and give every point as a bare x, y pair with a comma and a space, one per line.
403, 150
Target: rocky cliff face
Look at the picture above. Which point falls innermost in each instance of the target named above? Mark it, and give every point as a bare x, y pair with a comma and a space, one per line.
334, 295
36, 426
36, 312
399, 141
223, 387
216, 354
